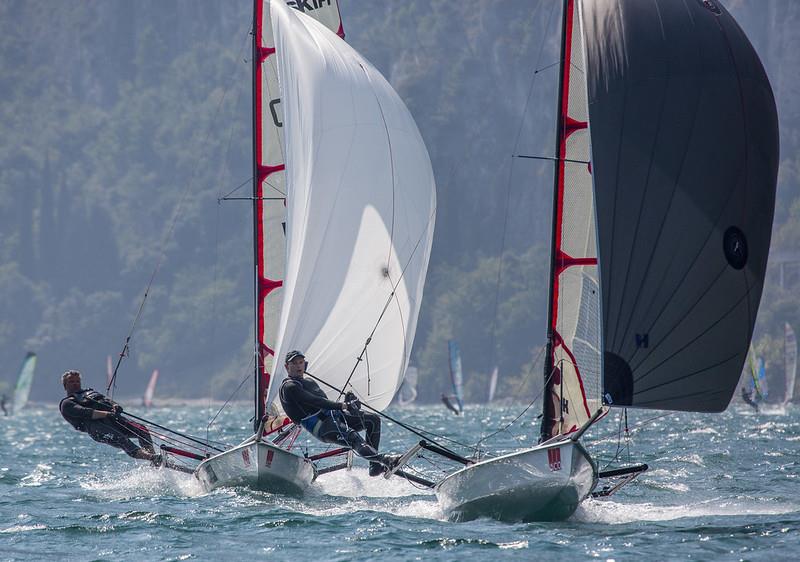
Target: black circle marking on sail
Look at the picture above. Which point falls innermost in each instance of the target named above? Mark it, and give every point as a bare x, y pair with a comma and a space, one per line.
734, 244
617, 380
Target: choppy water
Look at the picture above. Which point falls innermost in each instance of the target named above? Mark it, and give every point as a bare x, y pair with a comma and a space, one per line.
720, 487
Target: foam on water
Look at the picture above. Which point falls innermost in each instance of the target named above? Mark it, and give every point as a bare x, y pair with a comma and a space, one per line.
613, 513
358, 483
141, 481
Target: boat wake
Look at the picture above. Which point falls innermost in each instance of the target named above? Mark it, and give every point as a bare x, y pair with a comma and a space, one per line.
610, 512
357, 483
142, 481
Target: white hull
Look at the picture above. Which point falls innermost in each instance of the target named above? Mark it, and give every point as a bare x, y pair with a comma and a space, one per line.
543, 483
261, 466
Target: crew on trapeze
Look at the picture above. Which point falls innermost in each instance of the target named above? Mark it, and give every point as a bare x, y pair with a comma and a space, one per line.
89, 411
332, 422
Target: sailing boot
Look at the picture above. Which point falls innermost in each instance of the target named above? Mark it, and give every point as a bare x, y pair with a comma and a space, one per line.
382, 463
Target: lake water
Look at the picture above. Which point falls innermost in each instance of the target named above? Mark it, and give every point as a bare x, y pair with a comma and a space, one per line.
720, 486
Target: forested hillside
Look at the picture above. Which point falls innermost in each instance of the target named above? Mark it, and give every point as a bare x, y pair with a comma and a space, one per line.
123, 123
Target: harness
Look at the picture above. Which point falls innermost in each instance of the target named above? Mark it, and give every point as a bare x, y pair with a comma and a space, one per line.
91, 398
88, 398
312, 422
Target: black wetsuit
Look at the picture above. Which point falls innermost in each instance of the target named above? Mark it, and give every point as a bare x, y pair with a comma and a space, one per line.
748, 398
306, 404
77, 409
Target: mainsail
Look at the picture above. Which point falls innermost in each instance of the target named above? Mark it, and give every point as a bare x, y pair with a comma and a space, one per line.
24, 382
789, 361
269, 189
684, 160
360, 213
572, 365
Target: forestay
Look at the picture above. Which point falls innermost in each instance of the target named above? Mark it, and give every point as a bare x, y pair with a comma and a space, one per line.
359, 216
684, 160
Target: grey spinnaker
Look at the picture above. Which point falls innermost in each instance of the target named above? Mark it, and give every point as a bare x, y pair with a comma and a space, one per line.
685, 149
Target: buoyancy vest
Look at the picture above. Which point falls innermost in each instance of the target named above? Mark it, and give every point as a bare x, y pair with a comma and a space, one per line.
88, 398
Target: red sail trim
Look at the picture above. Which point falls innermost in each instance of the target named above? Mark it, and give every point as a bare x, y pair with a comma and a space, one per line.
266, 171
563, 261
571, 125
263, 52
563, 134
340, 31
558, 341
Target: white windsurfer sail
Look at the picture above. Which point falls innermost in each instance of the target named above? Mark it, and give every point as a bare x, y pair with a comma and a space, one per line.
660, 237
24, 381
492, 385
147, 399
360, 200
455, 401
789, 362
408, 390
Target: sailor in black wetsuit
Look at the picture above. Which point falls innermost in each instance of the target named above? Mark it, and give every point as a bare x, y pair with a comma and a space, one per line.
331, 422
89, 411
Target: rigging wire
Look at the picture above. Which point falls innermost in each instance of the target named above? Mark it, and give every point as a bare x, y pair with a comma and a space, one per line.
162, 248
386, 306
234, 393
515, 149
425, 434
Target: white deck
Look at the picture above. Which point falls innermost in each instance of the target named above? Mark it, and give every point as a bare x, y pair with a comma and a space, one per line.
543, 483
261, 466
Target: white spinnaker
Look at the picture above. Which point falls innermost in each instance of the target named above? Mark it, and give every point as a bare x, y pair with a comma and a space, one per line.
359, 217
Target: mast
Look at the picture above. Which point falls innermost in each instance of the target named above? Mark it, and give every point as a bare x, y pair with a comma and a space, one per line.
258, 409
548, 413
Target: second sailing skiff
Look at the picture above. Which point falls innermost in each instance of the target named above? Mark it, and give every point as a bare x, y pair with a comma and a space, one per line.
666, 167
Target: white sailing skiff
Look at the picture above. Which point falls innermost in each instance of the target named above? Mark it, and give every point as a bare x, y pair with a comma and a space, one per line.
359, 199
666, 167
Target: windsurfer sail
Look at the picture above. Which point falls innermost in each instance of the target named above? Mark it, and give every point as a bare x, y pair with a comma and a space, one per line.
789, 362
455, 401
408, 390
147, 399
24, 382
